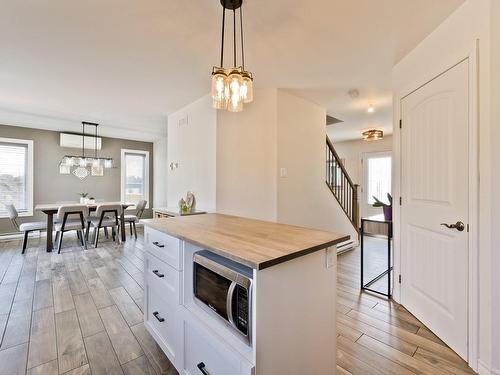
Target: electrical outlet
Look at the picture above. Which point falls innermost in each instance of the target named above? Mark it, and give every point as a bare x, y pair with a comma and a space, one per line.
283, 172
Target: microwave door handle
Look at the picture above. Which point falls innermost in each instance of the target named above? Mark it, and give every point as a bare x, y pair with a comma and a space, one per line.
229, 303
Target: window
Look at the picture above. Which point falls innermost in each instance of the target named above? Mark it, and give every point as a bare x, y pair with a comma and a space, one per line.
378, 176
135, 176
16, 175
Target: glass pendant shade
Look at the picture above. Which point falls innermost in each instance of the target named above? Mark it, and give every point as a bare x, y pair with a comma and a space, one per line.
235, 103
108, 163
246, 91
82, 162
219, 88
96, 163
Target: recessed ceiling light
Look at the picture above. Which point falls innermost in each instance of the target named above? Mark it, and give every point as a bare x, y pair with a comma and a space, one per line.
371, 109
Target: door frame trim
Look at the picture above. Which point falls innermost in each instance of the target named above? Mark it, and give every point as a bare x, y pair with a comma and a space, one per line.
472, 55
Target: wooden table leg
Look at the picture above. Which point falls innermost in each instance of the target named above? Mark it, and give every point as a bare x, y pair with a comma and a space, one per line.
50, 228
122, 226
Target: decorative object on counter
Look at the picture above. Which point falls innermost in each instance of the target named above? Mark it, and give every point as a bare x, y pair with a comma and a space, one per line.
386, 207
83, 197
85, 165
91, 200
233, 86
189, 204
191, 201
372, 134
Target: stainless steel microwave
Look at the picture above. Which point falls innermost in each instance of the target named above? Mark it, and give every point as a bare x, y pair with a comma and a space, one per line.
224, 288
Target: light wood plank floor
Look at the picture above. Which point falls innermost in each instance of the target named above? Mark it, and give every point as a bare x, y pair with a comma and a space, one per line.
80, 313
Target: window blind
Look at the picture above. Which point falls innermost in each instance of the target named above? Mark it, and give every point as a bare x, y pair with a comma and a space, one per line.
13, 176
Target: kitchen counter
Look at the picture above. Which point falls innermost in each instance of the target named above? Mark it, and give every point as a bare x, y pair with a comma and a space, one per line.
172, 211
255, 243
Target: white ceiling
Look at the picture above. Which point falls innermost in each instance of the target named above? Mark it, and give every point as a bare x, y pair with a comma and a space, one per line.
127, 64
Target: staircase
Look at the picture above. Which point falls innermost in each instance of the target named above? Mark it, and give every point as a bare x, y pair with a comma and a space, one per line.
341, 185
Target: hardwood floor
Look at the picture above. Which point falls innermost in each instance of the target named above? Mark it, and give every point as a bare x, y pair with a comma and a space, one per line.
80, 313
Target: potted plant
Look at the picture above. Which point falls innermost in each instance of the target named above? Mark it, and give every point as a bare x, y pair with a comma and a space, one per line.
83, 197
386, 207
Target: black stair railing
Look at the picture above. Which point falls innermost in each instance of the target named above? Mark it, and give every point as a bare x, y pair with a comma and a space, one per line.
341, 185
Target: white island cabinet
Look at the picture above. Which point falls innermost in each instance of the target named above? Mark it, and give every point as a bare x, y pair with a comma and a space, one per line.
292, 294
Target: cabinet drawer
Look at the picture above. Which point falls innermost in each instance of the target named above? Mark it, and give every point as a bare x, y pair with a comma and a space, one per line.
206, 354
163, 278
161, 318
164, 247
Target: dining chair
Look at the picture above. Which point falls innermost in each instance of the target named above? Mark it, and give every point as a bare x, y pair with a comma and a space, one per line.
71, 217
106, 215
24, 227
132, 219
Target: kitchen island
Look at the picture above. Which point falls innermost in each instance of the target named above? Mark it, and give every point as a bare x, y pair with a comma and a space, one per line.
229, 295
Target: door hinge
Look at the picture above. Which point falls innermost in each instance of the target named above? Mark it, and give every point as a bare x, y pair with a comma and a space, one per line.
467, 228
401, 124
399, 279
400, 201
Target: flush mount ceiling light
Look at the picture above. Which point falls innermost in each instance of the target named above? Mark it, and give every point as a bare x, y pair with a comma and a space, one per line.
372, 134
232, 86
370, 109
82, 162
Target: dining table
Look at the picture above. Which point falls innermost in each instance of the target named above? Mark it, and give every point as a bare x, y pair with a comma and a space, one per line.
51, 208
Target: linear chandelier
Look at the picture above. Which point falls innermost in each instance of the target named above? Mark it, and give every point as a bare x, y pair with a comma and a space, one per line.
83, 162
233, 86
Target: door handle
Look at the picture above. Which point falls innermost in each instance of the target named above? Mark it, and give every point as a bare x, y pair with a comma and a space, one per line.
458, 226
156, 314
157, 273
201, 367
156, 243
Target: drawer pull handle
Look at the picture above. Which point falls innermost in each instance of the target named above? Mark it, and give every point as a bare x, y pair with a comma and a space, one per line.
156, 243
201, 367
157, 273
156, 314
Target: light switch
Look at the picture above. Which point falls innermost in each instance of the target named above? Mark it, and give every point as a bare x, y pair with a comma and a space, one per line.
283, 172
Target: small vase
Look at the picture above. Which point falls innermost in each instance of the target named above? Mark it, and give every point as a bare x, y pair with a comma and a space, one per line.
83, 200
387, 213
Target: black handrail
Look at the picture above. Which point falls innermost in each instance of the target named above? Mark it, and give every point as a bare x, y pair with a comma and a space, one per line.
341, 185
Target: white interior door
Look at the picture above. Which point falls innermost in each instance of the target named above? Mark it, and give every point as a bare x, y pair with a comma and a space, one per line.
434, 182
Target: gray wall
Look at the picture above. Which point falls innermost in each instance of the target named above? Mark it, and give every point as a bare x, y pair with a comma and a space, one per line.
50, 186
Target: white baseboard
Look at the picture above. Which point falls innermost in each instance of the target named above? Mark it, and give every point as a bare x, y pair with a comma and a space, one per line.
483, 369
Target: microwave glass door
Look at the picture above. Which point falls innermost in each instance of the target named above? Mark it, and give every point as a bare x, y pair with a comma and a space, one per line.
212, 289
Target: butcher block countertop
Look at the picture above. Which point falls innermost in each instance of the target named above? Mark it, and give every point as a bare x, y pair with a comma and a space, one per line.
255, 243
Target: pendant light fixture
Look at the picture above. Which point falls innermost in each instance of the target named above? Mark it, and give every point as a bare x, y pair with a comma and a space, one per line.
372, 134
233, 86
81, 163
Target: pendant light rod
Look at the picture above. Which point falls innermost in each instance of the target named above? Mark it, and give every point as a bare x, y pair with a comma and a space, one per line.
83, 139
242, 47
95, 143
234, 38
222, 44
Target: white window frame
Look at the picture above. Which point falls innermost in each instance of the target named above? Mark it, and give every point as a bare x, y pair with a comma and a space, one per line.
29, 171
367, 209
125, 151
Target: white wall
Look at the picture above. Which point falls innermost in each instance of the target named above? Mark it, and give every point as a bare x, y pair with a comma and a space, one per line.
451, 41
352, 152
303, 196
246, 159
192, 145
160, 171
